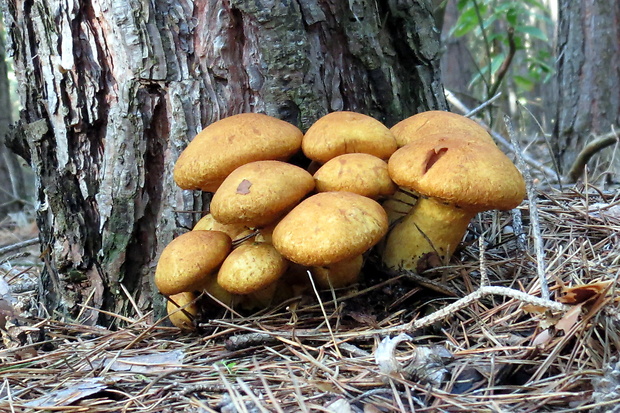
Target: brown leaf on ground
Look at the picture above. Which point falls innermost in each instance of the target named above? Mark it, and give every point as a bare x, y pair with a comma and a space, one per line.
569, 319
582, 293
542, 338
534, 309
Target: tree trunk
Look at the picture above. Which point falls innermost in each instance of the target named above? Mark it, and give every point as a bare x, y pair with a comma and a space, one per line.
457, 64
13, 185
588, 80
115, 89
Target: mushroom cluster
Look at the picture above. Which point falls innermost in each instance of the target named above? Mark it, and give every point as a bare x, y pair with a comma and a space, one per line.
271, 222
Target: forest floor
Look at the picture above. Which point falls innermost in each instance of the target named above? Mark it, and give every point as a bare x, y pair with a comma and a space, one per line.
387, 344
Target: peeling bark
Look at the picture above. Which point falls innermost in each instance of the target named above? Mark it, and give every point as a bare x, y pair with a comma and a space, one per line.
588, 80
115, 89
13, 183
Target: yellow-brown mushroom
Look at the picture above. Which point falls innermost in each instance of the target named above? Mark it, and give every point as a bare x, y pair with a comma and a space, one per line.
456, 178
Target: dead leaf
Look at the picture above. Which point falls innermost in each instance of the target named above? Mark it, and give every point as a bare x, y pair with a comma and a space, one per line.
549, 321
244, 187
364, 318
339, 406
78, 391
545, 318
425, 364
384, 354
604, 210
371, 408
534, 309
542, 338
5, 290
150, 363
569, 319
582, 293
6, 313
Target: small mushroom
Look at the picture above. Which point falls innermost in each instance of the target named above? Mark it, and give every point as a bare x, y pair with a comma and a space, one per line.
251, 267
259, 193
329, 227
215, 291
343, 132
338, 274
209, 223
186, 263
359, 173
231, 142
182, 310
455, 178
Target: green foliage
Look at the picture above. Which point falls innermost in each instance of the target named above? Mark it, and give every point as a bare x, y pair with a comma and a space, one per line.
230, 367
504, 29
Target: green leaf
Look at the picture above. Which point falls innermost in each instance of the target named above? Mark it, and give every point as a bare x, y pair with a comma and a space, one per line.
496, 62
489, 21
512, 17
532, 31
544, 66
523, 83
462, 4
466, 22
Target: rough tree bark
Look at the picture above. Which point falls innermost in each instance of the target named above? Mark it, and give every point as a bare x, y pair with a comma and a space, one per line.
115, 89
588, 80
13, 187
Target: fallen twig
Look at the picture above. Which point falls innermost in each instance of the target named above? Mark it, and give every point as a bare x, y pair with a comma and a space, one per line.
477, 295
482, 105
591, 149
534, 219
18, 245
445, 312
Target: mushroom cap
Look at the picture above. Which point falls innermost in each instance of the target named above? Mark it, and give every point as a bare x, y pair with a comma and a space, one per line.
343, 132
185, 263
231, 142
329, 227
472, 175
209, 223
182, 318
251, 267
438, 121
258, 193
359, 173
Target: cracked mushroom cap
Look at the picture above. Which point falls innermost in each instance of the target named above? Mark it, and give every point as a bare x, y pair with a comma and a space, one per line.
258, 193
343, 132
359, 173
472, 175
329, 227
231, 142
186, 263
438, 121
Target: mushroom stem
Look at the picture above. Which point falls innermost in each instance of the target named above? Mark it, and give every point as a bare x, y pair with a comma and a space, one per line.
399, 205
427, 236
